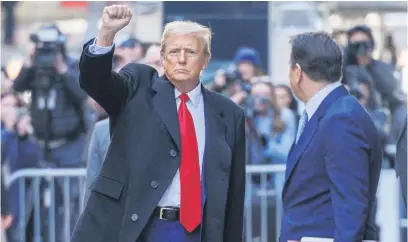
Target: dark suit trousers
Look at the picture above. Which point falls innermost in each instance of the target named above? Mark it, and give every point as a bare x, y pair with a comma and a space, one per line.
158, 230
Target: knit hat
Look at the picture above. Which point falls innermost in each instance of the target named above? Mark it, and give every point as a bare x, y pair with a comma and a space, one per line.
247, 54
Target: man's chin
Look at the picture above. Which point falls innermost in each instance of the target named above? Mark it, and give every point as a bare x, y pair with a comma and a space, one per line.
182, 78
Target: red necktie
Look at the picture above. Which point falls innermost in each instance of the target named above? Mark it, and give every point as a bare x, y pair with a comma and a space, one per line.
190, 201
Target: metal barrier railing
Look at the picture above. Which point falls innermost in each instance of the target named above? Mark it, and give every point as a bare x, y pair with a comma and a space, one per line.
263, 189
43, 187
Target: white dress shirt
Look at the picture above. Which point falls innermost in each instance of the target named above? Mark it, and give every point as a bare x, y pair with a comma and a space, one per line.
196, 107
313, 104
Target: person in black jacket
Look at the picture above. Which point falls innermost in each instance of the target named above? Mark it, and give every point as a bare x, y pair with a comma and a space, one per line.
386, 91
57, 102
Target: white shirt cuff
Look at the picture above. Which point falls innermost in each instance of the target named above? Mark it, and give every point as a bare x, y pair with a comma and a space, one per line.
99, 50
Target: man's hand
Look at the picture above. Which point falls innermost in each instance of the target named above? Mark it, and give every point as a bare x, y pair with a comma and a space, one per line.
114, 18
60, 65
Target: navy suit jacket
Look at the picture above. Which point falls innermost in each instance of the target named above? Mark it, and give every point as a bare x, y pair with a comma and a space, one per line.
332, 174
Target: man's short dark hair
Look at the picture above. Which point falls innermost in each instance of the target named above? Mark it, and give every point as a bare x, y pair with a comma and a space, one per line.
318, 55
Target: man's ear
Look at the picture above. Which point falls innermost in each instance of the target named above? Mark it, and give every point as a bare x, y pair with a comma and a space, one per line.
298, 73
162, 60
206, 61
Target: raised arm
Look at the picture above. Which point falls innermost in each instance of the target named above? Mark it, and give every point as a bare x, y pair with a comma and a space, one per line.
110, 89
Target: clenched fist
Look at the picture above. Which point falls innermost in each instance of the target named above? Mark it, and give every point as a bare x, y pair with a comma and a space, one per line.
114, 18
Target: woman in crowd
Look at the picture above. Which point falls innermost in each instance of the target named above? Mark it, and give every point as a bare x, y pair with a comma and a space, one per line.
286, 99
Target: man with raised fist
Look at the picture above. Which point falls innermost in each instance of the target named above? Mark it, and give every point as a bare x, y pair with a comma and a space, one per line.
175, 168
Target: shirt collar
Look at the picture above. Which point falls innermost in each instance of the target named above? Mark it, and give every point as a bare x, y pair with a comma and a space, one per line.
313, 104
194, 95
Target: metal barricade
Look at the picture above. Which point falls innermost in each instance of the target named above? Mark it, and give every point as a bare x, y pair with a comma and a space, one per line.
264, 194
38, 189
262, 197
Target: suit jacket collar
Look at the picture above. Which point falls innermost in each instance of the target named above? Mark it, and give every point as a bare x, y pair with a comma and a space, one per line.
297, 150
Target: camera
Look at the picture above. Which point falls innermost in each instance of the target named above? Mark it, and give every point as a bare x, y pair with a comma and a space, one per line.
360, 48
49, 42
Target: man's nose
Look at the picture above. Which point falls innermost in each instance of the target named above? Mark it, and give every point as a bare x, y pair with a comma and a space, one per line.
182, 57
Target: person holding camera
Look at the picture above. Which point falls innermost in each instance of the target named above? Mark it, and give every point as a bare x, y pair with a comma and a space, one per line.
57, 100
359, 62
271, 130
57, 107
247, 65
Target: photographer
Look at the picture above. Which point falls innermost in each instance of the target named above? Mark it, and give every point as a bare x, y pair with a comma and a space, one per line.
385, 90
271, 130
57, 108
247, 64
57, 100
359, 60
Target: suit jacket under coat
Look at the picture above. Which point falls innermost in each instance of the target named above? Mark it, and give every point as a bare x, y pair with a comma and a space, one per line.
144, 155
97, 150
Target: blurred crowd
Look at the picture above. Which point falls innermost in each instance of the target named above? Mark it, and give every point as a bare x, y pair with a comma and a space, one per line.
47, 120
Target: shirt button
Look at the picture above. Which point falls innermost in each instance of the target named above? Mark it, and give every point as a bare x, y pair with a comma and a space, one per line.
154, 184
134, 217
173, 153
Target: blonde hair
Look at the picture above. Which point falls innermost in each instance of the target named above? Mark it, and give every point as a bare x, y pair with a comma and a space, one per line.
187, 27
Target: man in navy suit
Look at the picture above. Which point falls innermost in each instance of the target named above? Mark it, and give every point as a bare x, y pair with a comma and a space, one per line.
334, 165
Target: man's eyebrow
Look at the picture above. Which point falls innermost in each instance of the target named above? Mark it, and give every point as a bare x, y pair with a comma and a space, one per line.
174, 47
